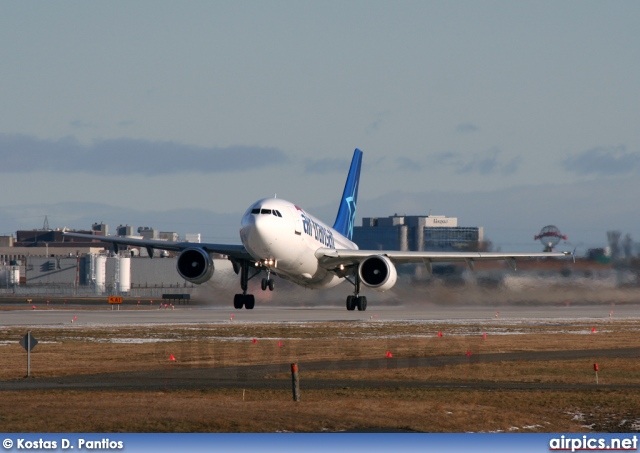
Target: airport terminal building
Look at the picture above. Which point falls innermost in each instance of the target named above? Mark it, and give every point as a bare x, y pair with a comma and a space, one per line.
417, 233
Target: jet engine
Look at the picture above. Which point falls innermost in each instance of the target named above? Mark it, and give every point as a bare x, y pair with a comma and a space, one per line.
195, 265
378, 272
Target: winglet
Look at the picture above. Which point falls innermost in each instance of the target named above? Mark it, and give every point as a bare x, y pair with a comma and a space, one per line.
347, 212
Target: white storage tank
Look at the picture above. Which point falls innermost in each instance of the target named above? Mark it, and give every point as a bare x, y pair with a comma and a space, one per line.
14, 276
124, 275
101, 274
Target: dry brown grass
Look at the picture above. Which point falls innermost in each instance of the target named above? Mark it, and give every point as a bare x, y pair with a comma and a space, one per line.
613, 371
81, 350
444, 410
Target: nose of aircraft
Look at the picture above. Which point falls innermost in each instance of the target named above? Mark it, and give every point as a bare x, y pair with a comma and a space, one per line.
255, 234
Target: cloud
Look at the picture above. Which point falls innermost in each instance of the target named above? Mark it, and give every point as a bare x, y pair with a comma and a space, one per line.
483, 163
327, 165
406, 164
26, 154
466, 128
613, 160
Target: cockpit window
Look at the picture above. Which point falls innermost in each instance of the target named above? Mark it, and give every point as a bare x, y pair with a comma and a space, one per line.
274, 212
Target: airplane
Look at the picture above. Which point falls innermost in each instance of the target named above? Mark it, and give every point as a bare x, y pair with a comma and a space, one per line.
280, 238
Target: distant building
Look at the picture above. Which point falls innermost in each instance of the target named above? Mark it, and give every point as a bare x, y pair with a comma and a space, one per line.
192, 237
124, 230
28, 238
48, 242
417, 233
10, 254
169, 236
148, 233
101, 229
52, 239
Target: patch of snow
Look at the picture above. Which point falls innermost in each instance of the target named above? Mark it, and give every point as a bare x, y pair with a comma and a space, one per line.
532, 427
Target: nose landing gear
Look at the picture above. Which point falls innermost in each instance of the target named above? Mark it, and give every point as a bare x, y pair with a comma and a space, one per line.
268, 281
245, 300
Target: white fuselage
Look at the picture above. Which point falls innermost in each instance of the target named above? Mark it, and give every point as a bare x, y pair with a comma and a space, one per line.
284, 238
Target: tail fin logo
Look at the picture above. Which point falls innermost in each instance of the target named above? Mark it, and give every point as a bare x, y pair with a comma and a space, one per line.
345, 221
351, 204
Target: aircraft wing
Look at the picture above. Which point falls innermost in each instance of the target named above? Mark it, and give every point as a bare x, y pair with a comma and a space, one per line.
233, 251
333, 259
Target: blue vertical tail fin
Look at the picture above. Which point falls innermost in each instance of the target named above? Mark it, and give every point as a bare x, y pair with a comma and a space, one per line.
347, 212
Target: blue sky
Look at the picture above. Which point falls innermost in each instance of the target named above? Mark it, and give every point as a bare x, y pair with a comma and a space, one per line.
507, 115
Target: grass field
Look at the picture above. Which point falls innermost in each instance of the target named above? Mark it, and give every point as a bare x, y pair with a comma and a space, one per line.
487, 398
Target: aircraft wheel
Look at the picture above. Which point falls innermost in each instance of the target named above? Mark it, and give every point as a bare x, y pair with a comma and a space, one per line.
263, 284
270, 284
351, 303
238, 301
361, 303
250, 302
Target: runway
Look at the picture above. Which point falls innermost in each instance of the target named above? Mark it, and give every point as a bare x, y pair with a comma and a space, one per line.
132, 315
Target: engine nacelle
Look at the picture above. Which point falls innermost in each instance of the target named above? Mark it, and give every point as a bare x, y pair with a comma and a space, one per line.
378, 272
195, 265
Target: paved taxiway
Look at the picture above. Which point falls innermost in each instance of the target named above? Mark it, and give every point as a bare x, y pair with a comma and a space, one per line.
203, 314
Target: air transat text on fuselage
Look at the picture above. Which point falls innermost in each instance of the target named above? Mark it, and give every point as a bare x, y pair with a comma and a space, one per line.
321, 234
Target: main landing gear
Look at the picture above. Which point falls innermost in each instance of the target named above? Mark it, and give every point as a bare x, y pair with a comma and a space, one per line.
356, 301
245, 300
359, 302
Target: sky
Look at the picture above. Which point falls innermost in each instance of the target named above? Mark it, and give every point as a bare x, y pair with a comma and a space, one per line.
178, 115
